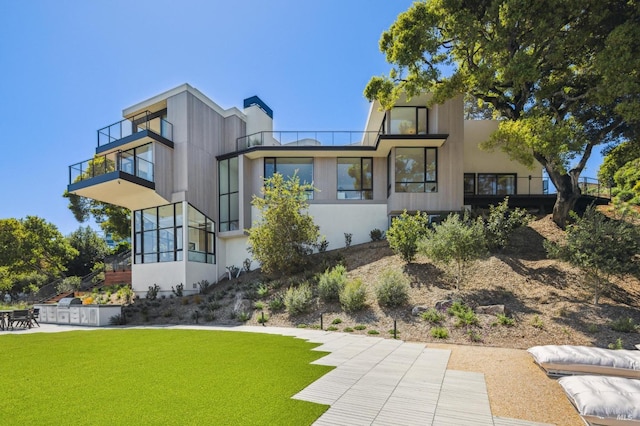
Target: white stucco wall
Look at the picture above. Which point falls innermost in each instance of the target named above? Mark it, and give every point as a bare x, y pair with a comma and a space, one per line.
165, 274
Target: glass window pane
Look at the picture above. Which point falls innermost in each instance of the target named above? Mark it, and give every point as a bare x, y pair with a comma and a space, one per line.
165, 216
150, 258
303, 167
166, 242
224, 176
224, 208
422, 121
403, 121
150, 242
195, 217
469, 183
486, 184
367, 195
179, 239
149, 218
269, 167
367, 173
126, 162
179, 256
224, 226
505, 185
233, 174
349, 174
178, 214
409, 187
431, 165
210, 243
234, 202
167, 256
137, 243
137, 220
409, 165
145, 152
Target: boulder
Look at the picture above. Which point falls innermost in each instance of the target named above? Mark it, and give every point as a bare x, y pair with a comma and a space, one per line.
443, 305
417, 310
490, 309
242, 305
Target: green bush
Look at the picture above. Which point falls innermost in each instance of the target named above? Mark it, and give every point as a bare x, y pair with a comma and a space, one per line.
152, 292
464, 314
332, 328
263, 290
360, 327
298, 300
373, 332
405, 232
392, 288
353, 297
348, 330
276, 304
336, 321
331, 282
433, 316
376, 235
617, 345
440, 333
623, 325
505, 320
502, 222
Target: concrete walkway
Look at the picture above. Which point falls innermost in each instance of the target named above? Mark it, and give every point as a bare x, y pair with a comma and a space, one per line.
380, 381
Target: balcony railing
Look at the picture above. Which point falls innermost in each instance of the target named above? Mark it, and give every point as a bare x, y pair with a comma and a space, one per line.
129, 126
308, 138
529, 185
115, 161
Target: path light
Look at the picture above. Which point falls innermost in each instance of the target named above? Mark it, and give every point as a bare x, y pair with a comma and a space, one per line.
321, 326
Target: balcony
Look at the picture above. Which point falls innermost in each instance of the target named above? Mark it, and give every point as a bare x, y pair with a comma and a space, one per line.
140, 129
122, 178
332, 139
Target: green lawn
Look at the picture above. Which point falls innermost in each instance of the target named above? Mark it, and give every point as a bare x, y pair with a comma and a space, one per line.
118, 377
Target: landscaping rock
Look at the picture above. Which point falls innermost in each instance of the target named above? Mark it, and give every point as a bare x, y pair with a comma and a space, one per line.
443, 305
490, 309
242, 305
417, 310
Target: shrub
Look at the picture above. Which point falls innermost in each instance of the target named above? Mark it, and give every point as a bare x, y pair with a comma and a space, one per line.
258, 305
433, 316
373, 332
348, 330
118, 319
152, 292
178, 291
298, 300
204, 286
336, 321
263, 318
360, 327
464, 314
376, 235
502, 222
392, 289
69, 284
455, 243
353, 296
617, 345
474, 337
197, 299
243, 316
505, 320
405, 232
440, 333
246, 265
623, 325
323, 244
332, 328
276, 304
331, 282
347, 239
537, 322
285, 235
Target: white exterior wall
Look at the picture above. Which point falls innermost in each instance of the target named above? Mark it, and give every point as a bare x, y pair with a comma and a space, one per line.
477, 160
165, 274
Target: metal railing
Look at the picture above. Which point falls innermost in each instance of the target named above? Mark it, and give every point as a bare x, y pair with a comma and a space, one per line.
118, 262
537, 185
49, 291
129, 126
593, 187
115, 161
308, 138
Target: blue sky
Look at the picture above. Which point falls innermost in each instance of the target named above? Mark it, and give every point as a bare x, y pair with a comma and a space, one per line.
69, 68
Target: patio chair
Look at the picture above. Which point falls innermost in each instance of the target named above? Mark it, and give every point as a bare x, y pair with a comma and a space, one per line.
566, 360
20, 317
35, 314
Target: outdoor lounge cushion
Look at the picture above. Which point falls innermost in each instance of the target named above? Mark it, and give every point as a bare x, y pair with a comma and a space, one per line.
604, 400
562, 360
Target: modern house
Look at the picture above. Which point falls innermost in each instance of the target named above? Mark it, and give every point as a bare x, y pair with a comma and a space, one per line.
188, 169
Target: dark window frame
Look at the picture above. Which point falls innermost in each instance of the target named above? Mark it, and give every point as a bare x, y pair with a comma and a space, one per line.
424, 181
472, 175
140, 251
496, 176
386, 124
360, 191
275, 170
206, 250
228, 194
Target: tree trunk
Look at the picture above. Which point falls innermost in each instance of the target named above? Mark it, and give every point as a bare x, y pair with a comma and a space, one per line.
568, 193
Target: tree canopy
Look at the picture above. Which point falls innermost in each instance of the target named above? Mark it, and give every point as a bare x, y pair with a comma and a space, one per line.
549, 70
91, 250
32, 251
112, 219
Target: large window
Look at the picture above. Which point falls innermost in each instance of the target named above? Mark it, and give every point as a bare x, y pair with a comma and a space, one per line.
408, 121
228, 190
469, 183
158, 234
355, 178
287, 167
138, 162
201, 237
496, 183
416, 170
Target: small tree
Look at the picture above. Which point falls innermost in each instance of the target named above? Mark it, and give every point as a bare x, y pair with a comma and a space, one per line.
405, 232
600, 247
502, 222
455, 243
285, 234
